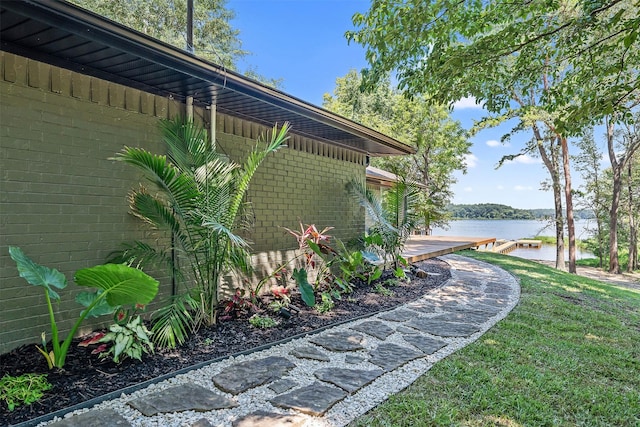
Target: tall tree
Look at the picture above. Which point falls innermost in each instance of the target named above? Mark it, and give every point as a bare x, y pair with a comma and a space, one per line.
589, 163
214, 38
452, 49
440, 142
633, 187
621, 147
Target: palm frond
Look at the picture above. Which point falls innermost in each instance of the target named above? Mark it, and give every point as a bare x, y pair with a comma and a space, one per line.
188, 147
250, 167
371, 203
142, 255
215, 173
181, 190
174, 321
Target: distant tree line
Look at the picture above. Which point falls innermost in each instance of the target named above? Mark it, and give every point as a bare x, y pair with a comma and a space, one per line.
498, 211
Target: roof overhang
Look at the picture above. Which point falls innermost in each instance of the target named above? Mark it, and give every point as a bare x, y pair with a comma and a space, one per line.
64, 35
385, 178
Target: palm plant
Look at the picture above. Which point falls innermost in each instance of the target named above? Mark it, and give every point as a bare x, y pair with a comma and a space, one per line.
198, 199
394, 215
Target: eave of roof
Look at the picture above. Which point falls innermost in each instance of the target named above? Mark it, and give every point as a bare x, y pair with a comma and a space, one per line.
65, 35
385, 178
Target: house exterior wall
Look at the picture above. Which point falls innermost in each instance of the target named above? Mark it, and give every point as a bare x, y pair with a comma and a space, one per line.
65, 203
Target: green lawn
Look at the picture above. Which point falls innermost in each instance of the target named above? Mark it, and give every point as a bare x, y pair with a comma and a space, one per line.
567, 355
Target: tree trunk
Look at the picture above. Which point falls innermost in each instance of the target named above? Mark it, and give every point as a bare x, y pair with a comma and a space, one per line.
614, 263
633, 232
552, 166
569, 204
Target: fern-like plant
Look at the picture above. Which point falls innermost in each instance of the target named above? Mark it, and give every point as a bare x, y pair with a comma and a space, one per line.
394, 216
196, 195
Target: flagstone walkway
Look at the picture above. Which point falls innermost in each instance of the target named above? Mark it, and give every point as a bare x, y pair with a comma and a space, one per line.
326, 379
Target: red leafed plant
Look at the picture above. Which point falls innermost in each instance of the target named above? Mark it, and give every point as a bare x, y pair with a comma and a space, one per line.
239, 304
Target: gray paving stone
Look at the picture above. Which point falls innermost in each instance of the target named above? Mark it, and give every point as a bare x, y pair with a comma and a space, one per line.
314, 399
282, 385
245, 375
269, 419
477, 317
354, 359
398, 315
309, 352
443, 329
405, 330
497, 288
348, 379
375, 328
495, 302
391, 356
426, 344
97, 418
339, 341
423, 306
180, 398
484, 307
202, 422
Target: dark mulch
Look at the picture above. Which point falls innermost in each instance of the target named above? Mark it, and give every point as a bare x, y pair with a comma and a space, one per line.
85, 376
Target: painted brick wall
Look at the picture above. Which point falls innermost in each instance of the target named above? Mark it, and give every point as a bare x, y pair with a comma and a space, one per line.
61, 199
64, 202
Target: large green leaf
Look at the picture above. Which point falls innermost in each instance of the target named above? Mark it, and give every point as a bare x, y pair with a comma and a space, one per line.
306, 290
121, 284
100, 309
37, 274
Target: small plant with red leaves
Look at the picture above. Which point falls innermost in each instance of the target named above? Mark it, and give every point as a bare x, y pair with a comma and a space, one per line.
281, 298
241, 303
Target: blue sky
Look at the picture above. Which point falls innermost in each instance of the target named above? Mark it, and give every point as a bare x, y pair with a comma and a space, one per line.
302, 42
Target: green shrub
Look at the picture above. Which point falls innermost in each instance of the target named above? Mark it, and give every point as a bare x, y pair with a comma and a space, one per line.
23, 390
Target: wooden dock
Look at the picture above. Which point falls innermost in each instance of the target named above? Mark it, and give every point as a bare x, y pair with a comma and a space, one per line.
506, 246
419, 248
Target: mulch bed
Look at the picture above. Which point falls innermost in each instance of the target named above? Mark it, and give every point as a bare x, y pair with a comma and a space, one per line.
85, 376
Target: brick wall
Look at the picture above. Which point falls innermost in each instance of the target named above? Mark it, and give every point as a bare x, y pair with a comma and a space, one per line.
64, 202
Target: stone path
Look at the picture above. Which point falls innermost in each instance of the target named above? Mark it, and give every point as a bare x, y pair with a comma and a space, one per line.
327, 379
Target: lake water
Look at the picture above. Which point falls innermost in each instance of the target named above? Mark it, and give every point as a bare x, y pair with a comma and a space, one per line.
514, 230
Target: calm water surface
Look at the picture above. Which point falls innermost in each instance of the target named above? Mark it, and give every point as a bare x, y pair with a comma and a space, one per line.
514, 230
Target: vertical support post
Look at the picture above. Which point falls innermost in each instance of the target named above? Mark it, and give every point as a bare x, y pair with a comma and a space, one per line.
190, 26
189, 104
213, 122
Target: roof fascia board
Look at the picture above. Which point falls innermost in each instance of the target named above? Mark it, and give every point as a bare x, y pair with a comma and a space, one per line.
99, 29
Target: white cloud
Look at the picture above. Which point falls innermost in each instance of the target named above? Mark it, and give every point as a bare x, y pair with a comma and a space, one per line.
494, 143
466, 103
500, 187
468, 189
525, 159
470, 160
523, 188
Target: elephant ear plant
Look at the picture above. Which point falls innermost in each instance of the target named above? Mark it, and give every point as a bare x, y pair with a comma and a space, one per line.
196, 196
117, 285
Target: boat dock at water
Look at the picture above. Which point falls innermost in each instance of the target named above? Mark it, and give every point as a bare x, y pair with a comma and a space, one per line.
506, 246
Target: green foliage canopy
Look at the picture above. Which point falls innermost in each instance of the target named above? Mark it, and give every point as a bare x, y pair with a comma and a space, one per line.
214, 38
450, 50
441, 143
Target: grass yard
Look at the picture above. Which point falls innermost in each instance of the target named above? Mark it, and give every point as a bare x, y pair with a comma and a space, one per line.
567, 355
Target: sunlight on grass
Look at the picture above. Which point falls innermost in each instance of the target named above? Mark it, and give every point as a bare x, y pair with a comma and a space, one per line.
568, 354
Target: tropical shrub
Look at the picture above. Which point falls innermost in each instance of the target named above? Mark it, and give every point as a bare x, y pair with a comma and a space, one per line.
394, 215
197, 196
117, 285
130, 339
